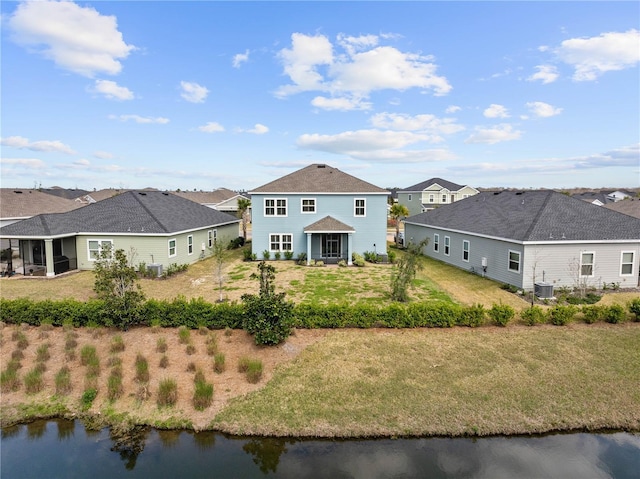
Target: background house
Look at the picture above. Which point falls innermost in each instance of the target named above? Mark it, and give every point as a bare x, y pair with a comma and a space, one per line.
153, 227
320, 211
221, 199
521, 238
433, 193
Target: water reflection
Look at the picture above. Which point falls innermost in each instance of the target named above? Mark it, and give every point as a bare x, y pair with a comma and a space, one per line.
35, 450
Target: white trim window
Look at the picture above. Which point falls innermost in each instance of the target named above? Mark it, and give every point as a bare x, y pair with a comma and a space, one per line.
514, 261
447, 245
172, 245
280, 242
210, 238
432, 199
95, 247
308, 206
587, 263
444, 198
626, 263
409, 197
359, 207
436, 242
465, 250
190, 244
275, 207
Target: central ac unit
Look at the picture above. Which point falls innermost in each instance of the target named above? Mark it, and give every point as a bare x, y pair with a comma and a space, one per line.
543, 290
154, 270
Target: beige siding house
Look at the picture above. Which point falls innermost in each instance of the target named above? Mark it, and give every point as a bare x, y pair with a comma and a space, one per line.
433, 193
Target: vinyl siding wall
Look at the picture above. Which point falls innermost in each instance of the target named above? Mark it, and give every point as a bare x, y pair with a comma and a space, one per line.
369, 230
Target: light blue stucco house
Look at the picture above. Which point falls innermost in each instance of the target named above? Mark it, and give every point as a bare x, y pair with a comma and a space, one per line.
320, 211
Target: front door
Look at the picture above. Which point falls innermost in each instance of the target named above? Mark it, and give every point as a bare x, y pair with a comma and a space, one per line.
331, 246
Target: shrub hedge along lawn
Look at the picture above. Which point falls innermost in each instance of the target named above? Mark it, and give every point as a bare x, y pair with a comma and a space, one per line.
196, 313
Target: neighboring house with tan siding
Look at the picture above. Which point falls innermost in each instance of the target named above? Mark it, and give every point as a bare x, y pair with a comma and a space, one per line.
220, 199
527, 237
433, 193
153, 227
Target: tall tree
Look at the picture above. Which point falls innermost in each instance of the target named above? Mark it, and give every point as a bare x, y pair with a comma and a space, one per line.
243, 212
398, 211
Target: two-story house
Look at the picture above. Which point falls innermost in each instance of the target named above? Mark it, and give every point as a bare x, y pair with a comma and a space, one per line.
432, 193
320, 211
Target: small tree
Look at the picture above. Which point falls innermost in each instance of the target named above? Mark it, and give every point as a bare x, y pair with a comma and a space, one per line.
219, 258
398, 211
116, 283
243, 213
268, 316
405, 271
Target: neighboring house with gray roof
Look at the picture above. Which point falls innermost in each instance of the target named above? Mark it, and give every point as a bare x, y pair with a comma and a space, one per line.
153, 227
527, 237
433, 193
629, 206
221, 199
320, 211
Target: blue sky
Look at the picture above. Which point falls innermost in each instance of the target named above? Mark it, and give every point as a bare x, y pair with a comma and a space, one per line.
235, 94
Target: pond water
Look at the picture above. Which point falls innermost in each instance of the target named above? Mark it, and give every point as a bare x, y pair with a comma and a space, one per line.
64, 449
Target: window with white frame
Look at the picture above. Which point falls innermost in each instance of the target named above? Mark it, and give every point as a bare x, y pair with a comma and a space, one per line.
514, 261
172, 248
587, 259
626, 266
444, 198
432, 198
210, 238
447, 245
465, 250
436, 242
359, 207
190, 244
96, 247
308, 205
280, 242
275, 207
409, 197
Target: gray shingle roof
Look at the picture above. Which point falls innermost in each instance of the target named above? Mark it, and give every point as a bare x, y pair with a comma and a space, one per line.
628, 206
19, 203
425, 184
318, 178
135, 212
209, 197
531, 216
328, 224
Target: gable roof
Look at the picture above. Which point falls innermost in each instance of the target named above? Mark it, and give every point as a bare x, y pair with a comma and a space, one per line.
531, 216
208, 197
319, 178
628, 206
68, 193
132, 212
433, 181
19, 203
592, 196
328, 224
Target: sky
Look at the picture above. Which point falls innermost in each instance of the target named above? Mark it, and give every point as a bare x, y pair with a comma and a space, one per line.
201, 94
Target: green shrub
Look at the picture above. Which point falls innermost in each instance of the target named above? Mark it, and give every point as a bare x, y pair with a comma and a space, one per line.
501, 314
9, 380
184, 335
33, 382
42, 353
473, 316
114, 386
254, 371
63, 381
117, 344
247, 255
243, 364
266, 254
202, 395
219, 362
593, 313
615, 314
167, 393
561, 315
88, 354
533, 315
634, 308
142, 369
357, 259
391, 255
277, 255
88, 396
288, 255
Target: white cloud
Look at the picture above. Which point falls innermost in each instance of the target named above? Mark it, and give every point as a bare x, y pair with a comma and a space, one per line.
452, 109
350, 142
32, 163
192, 92
211, 127
42, 145
258, 129
240, 58
364, 67
591, 57
341, 103
78, 39
496, 111
112, 90
140, 119
497, 134
103, 155
542, 109
545, 74
429, 124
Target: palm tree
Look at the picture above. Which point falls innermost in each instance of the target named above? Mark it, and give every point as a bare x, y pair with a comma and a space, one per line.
398, 211
243, 212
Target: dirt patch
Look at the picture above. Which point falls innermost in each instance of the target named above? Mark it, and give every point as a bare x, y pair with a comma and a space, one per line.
234, 344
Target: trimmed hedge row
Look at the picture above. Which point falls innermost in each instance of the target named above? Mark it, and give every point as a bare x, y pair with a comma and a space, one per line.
195, 313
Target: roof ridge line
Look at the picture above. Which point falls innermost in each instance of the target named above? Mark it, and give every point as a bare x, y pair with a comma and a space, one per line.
534, 223
135, 195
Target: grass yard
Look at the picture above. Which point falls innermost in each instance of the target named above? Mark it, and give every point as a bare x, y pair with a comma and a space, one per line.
458, 381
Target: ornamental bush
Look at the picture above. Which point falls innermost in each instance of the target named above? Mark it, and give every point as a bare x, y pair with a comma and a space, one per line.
614, 314
634, 307
533, 315
561, 315
501, 314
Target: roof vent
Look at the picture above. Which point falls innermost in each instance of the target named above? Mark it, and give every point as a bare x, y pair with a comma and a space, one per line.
322, 166
496, 192
142, 193
518, 192
165, 193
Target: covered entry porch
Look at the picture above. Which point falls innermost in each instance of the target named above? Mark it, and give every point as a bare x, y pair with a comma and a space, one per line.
329, 240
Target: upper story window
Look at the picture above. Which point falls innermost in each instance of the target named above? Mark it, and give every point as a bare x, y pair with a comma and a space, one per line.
436, 242
444, 198
514, 261
96, 247
432, 198
275, 207
308, 205
447, 245
172, 247
465, 250
587, 260
360, 207
626, 266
